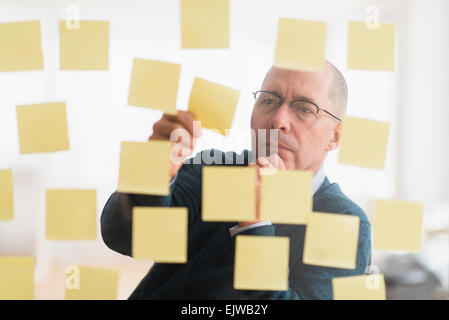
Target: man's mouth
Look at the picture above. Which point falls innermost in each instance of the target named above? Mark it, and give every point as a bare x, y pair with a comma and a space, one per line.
278, 146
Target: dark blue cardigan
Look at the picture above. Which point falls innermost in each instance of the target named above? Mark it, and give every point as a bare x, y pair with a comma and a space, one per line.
208, 274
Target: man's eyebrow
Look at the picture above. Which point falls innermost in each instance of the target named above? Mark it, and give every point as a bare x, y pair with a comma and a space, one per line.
299, 97
305, 98
275, 92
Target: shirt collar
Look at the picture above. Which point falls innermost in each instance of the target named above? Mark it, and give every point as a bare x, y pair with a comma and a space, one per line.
318, 180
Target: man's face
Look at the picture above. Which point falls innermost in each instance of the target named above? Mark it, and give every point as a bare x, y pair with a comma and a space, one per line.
303, 145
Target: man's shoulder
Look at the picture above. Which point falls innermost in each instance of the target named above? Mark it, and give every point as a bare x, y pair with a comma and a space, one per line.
330, 198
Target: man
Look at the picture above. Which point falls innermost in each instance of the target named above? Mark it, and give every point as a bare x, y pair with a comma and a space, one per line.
305, 109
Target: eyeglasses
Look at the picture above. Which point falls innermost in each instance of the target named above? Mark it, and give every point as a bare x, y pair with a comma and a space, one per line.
305, 110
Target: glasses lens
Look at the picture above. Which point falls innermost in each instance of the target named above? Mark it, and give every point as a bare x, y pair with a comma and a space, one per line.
267, 100
304, 110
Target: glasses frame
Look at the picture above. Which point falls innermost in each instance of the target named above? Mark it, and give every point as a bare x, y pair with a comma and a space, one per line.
282, 100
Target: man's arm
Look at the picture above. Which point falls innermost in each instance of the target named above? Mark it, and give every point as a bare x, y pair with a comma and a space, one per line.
116, 218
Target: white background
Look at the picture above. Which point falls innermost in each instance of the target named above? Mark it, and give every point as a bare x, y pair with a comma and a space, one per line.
414, 98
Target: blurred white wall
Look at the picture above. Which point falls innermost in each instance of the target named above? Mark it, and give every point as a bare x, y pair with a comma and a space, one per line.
413, 98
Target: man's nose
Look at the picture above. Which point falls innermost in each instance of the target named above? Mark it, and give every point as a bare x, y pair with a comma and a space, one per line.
282, 118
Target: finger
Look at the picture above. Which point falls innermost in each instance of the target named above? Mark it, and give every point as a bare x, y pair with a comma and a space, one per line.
258, 186
179, 153
182, 118
277, 162
187, 118
164, 127
169, 117
252, 165
185, 121
182, 142
264, 162
156, 136
197, 130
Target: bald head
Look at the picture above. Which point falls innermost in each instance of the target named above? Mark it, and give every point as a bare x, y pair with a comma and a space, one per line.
338, 90
337, 87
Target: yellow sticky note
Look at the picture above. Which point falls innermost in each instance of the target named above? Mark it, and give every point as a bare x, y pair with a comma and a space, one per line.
21, 46
154, 84
145, 167
160, 234
84, 47
371, 49
213, 104
6, 195
398, 225
88, 283
286, 196
331, 240
229, 193
261, 263
300, 45
16, 278
204, 24
43, 128
71, 214
363, 287
363, 142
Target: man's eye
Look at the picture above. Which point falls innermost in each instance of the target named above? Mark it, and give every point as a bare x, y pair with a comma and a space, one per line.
306, 110
267, 101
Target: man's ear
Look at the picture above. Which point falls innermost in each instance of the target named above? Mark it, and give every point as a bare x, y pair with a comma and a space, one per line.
334, 141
